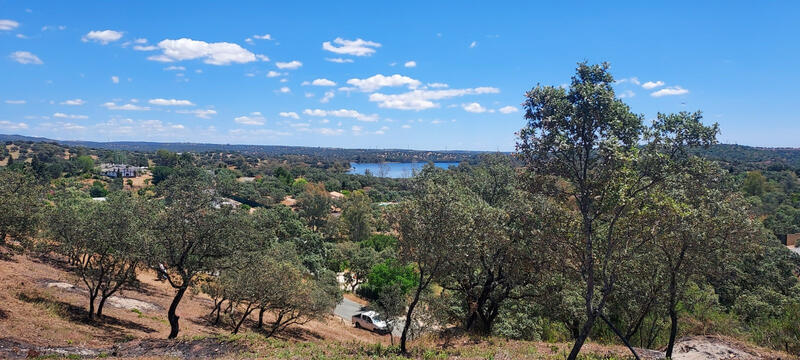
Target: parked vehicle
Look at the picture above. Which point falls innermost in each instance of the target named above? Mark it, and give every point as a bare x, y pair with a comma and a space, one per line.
371, 321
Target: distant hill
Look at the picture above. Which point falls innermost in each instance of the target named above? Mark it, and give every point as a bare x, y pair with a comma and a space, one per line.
355, 155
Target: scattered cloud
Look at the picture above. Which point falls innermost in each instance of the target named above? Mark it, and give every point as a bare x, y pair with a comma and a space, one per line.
254, 118
263, 37
285, 90
273, 73
113, 106
339, 60
203, 114
327, 97
508, 109
103, 36
6, 24
15, 102
376, 82
424, 99
627, 94
652, 85
323, 82
24, 57
145, 47
473, 44
115, 79
262, 57
8, 125
170, 102
357, 47
290, 114
291, 65
343, 113
670, 91
69, 116
73, 102
474, 107
632, 80
174, 68
219, 53
410, 64
438, 85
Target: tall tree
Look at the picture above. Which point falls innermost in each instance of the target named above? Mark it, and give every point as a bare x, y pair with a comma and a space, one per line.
194, 234
357, 214
607, 160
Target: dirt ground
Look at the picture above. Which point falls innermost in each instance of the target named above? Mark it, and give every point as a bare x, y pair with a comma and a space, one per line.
43, 313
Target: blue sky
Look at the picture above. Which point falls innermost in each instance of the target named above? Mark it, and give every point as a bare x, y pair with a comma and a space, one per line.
421, 75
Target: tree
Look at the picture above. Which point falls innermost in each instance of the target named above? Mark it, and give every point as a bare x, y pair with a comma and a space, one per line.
755, 184
431, 226
583, 143
20, 205
160, 173
98, 189
357, 214
105, 241
314, 204
391, 304
192, 235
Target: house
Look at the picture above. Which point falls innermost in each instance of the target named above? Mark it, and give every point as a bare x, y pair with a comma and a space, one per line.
122, 170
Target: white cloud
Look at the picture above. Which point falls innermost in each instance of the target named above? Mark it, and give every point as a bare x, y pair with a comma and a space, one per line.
473, 44
263, 37
627, 94
219, 53
357, 47
632, 80
113, 106
438, 85
328, 131
174, 68
104, 36
255, 118
145, 47
410, 64
140, 41
323, 82
669, 91
343, 113
474, 107
339, 60
273, 73
203, 114
327, 97
69, 116
15, 102
406, 126
378, 81
6, 24
285, 90
652, 85
7, 125
262, 57
73, 102
424, 99
290, 114
115, 79
24, 57
507, 109
170, 102
291, 65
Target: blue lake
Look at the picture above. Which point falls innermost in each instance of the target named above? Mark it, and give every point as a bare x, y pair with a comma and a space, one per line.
394, 170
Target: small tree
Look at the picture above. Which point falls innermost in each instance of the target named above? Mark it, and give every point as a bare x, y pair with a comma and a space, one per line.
357, 214
20, 205
314, 204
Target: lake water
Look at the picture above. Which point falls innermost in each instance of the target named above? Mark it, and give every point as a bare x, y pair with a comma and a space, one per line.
394, 170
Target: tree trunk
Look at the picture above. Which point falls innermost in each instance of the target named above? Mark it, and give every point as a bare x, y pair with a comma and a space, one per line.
587, 327
673, 315
92, 297
247, 312
588, 273
619, 334
100, 305
173, 318
407, 325
261, 317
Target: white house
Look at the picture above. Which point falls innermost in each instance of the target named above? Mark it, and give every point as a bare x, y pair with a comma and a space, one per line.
114, 170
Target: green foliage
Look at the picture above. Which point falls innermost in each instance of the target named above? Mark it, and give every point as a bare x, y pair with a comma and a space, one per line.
160, 173
20, 205
380, 242
388, 274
